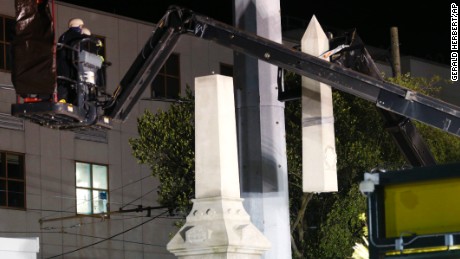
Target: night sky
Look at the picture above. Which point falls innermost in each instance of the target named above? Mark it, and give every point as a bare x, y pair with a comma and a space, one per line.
424, 26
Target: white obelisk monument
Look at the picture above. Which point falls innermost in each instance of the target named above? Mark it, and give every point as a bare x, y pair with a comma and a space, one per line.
318, 139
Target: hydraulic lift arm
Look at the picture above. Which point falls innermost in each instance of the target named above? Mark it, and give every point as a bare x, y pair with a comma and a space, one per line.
354, 55
154, 54
178, 21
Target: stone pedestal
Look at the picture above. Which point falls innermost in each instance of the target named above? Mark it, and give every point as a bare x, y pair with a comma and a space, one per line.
218, 225
318, 138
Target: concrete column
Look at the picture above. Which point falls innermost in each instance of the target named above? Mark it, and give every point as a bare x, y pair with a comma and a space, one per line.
218, 225
261, 130
318, 139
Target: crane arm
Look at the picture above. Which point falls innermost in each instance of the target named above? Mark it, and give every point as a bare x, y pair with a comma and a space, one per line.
178, 21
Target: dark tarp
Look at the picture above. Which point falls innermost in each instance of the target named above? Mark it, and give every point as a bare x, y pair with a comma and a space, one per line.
34, 69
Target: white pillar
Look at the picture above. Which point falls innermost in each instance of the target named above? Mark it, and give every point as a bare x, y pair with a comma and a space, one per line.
218, 225
318, 138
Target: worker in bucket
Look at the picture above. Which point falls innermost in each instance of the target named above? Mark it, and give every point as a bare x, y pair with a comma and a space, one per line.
66, 71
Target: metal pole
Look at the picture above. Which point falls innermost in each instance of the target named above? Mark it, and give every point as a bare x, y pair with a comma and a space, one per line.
396, 59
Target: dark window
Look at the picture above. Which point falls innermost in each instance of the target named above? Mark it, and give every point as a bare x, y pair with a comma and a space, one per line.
167, 82
6, 36
226, 69
12, 180
91, 188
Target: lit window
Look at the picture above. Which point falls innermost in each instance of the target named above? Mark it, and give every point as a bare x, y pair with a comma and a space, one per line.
12, 180
167, 82
91, 188
6, 36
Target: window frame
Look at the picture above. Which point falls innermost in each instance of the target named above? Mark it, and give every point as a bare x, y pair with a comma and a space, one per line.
3, 163
3, 40
91, 189
164, 74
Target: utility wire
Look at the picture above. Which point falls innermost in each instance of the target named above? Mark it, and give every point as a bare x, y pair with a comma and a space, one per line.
108, 238
76, 234
123, 186
110, 191
118, 240
129, 203
124, 217
105, 215
106, 220
77, 225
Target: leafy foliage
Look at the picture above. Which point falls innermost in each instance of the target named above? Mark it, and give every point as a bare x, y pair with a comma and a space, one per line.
444, 147
166, 143
343, 223
419, 84
330, 224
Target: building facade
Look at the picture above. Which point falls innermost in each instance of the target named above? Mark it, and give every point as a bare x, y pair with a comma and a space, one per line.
65, 187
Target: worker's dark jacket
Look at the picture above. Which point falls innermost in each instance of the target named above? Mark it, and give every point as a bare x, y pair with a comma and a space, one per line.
64, 54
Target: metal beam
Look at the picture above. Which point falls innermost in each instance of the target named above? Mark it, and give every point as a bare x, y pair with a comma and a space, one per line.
178, 21
387, 96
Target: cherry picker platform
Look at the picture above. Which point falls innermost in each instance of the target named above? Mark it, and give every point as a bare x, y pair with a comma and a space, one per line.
85, 110
36, 80
57, 115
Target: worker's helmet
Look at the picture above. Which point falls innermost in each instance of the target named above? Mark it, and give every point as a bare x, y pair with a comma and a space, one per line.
76, 22
85, 31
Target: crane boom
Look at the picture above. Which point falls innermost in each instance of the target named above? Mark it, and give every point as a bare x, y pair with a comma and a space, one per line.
385, 95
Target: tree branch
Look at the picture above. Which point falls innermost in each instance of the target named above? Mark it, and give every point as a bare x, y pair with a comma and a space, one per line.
297, 253
305, 200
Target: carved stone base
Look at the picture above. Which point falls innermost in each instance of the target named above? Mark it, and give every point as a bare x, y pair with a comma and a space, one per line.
218, 228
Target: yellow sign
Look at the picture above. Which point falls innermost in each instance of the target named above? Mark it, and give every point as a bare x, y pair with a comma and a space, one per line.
422, 208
